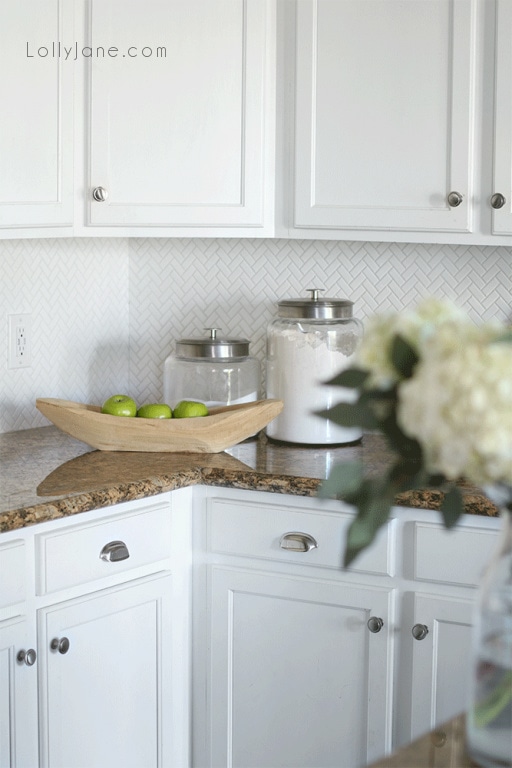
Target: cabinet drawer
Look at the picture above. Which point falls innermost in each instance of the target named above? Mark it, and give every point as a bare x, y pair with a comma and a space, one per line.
12, 573
79, 554
453, 557
264, 526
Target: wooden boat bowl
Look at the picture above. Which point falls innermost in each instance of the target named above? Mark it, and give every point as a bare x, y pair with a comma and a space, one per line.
224, 427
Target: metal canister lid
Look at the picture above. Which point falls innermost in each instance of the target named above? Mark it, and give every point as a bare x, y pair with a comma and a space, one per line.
212, 347
316, 307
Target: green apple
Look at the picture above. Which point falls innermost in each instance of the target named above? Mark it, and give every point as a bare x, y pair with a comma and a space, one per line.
155, 411
189, 408
119, 405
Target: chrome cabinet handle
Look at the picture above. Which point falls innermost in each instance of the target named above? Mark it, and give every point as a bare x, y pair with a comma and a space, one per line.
27, 657
114, 551
297, 542
419, 631
60, 644
375, 624
100, 194
498, 201
454, 199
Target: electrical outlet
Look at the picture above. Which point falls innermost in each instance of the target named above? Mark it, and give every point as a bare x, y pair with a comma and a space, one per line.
20, 340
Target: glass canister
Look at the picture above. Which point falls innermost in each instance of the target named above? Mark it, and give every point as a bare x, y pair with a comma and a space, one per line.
213, 370
311, 341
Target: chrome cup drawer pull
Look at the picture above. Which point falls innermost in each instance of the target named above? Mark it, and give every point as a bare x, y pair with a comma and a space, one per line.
114, 551
297, 542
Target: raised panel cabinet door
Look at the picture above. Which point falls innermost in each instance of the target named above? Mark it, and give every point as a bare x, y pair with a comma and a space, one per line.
384, 113
18, 695
501, 198
297, 678
178, 112
440, 661
106, 677
36, 121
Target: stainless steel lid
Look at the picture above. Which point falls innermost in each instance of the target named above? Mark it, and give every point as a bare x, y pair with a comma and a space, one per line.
316, 307
212, 347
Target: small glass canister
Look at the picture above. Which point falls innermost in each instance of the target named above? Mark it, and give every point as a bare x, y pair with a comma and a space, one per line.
213, 370
311, 341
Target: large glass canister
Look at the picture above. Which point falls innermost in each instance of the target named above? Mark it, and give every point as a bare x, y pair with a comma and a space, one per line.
309, 343
213, 370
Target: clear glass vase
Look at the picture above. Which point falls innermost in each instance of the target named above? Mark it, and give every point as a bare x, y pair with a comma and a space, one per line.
489, 716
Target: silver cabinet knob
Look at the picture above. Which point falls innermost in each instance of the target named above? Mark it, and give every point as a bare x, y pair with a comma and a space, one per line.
498, 201
454, 199
100, 194
114, 551
297, 542
374, 624
27, 657
60, 644
419, 631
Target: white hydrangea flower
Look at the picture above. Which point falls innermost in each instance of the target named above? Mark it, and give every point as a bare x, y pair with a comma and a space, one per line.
458, 404
415, 326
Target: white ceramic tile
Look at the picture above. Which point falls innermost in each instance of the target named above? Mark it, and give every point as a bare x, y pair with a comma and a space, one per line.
179, 287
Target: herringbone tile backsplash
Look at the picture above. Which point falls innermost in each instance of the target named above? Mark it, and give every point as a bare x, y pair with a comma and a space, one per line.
180, 287
106, 312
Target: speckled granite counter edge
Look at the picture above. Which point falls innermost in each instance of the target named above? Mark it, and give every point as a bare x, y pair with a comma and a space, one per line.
246, 480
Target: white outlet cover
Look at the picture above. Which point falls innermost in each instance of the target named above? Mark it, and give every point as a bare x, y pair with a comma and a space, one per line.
20, 338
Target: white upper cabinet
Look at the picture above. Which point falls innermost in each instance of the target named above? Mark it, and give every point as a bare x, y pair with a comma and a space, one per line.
501, 200
384, 105
179, 118
401, 115
36, 121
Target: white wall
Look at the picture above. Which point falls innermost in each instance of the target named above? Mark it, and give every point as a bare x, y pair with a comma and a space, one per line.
106, 312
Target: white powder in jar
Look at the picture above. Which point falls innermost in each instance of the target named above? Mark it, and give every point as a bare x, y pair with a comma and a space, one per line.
299, 361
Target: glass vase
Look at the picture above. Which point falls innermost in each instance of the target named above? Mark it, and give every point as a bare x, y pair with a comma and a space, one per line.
489, 716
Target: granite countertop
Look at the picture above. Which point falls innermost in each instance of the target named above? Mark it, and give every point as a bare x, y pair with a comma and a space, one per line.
45, 475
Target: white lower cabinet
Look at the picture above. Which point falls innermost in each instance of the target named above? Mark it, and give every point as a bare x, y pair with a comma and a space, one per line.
215, 628
94, 649
299, 663
440, 639
18, 694
297, 678
106, 676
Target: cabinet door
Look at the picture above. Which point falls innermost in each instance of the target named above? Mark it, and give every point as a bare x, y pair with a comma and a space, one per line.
297, 678
384, 110
178, 112
36, 124
18, 696
502, 217
440, 670
105, 696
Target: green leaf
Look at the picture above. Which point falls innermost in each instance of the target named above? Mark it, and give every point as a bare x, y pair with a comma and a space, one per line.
351, 415
344, 479
452, 506
373, 501
403, 357
407, 475
505, 338
353, 378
